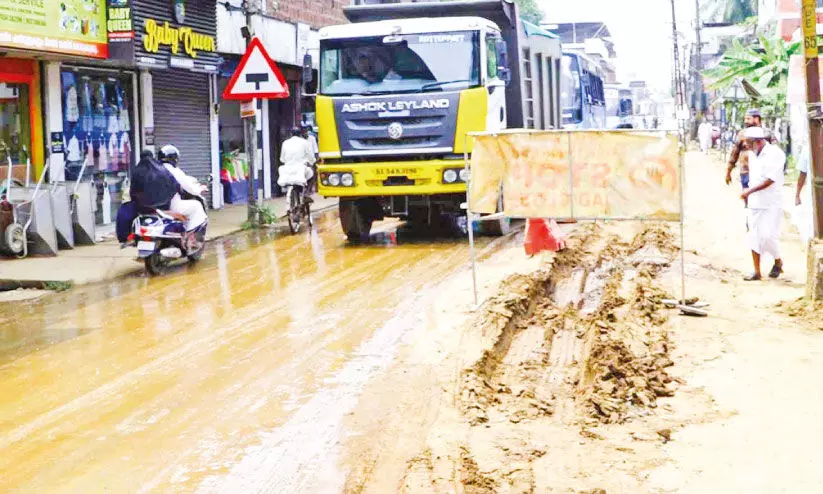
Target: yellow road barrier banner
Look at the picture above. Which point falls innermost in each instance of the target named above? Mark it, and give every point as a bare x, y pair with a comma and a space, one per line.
567, 174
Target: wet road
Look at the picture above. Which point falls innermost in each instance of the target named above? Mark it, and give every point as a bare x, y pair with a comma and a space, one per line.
234, 375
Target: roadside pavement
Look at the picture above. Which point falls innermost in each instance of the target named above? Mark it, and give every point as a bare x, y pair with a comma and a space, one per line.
106, 260
749, 412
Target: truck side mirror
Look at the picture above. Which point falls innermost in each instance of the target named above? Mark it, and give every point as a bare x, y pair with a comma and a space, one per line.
308, 72
505, 74
503, 70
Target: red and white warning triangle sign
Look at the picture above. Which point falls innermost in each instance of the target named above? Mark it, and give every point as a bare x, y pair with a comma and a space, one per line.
256, 76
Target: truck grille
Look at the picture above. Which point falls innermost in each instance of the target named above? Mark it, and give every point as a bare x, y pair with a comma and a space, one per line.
427, 130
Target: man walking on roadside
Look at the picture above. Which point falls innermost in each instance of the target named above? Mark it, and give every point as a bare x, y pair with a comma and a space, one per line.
704, 135
740, 150
765, 200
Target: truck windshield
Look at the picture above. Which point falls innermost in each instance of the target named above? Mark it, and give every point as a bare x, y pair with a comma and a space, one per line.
406, 63
571, 99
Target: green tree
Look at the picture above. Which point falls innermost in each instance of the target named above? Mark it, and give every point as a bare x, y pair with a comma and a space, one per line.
728, 11
530, 11
764, 65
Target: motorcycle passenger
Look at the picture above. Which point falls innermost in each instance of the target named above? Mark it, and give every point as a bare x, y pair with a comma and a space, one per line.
152, 187
192, 209
297, 157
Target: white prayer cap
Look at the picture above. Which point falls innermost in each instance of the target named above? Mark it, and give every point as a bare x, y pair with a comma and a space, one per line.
754, 133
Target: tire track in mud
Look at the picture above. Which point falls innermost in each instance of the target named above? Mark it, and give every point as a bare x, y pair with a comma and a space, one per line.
579, 343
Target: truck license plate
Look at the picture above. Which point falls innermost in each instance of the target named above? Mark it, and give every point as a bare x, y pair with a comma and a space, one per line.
396, 172
143, 245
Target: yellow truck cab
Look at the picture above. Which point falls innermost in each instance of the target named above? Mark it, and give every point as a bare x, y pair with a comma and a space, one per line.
397, 97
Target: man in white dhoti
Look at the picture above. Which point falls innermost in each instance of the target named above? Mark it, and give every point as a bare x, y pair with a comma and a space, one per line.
704, 135
765, 201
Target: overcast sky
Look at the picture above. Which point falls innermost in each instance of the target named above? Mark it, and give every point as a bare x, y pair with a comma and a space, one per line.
641, 30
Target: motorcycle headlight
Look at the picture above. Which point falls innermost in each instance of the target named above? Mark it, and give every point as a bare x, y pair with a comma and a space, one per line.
346, 180
334, 179
464, 175
450, 176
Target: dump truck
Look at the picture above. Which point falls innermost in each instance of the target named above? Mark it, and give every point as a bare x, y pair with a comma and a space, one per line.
402, 86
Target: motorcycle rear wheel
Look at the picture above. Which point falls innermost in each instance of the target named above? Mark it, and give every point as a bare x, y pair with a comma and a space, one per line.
198, 254
155, 264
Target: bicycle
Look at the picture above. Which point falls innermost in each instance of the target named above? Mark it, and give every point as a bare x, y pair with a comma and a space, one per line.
299, 206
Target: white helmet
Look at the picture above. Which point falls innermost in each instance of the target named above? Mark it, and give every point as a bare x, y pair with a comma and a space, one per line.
169, 154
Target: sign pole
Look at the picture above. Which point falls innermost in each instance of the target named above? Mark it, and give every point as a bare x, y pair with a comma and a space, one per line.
256, 77
250, 134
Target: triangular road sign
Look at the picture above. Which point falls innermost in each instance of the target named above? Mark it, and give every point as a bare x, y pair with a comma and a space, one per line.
256, 76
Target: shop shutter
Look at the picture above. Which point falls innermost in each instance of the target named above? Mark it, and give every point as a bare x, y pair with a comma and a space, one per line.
181, 118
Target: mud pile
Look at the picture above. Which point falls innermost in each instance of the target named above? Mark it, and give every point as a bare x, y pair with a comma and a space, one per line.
581, 342
809, 313
585, 331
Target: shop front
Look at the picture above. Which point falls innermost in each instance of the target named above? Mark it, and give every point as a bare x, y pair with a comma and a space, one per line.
30, 32
175, 50
21, 137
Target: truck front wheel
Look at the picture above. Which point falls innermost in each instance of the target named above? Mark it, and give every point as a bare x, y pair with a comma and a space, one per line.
356, 219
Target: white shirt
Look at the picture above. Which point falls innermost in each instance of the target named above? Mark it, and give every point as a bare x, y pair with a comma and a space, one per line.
296, 151
767, 165
313, 144
705, 130
187, 183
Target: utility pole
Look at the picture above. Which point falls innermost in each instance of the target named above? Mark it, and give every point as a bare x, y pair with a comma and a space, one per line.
250, 124
698, 65
813, 100
680, 97
815, 273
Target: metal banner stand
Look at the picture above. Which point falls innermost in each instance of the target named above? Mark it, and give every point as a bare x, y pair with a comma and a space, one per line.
470, 217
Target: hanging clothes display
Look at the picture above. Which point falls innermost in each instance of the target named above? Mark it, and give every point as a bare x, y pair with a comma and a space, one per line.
97, 129
72, 106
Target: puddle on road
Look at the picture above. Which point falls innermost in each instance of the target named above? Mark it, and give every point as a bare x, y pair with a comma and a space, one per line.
274, 252
303, 321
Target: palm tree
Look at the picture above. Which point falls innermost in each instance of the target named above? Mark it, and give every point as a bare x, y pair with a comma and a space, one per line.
765, 66
728, 11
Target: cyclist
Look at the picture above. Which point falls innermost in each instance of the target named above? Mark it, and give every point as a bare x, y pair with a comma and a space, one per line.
297, 157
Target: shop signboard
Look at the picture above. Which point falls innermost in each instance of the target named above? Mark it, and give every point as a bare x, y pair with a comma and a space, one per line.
175, 34
75, 27
120, 29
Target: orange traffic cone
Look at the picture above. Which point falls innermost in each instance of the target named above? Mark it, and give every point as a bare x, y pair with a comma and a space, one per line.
543, 234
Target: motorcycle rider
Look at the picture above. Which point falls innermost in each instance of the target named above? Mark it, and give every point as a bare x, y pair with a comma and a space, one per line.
192, 209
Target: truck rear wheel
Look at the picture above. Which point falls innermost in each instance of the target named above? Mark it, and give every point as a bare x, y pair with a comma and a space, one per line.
497, 228
355, 218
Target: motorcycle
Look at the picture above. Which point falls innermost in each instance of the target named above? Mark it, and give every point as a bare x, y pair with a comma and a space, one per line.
161, 237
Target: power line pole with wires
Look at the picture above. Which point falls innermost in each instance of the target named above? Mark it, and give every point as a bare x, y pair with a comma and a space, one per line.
810, 54
698, 66
680, 97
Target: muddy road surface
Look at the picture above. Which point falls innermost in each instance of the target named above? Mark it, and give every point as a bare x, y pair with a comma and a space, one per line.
234, 375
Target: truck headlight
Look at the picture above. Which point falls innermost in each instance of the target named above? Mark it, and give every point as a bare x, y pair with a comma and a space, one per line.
449, 176
464, 175
334, 179
346, 180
